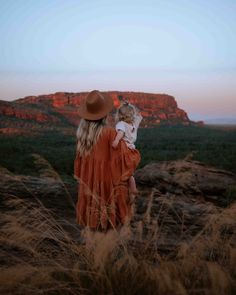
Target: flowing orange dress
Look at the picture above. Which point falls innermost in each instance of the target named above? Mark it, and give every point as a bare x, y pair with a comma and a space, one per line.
103, 198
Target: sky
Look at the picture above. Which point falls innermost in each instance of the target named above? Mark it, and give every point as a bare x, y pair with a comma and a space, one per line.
183, 48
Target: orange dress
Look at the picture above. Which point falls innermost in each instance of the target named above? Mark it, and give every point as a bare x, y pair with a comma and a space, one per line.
103, 199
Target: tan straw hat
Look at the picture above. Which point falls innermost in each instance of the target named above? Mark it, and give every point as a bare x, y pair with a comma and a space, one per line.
95, 106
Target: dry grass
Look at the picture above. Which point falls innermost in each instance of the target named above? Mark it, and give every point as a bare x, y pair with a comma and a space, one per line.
39, 257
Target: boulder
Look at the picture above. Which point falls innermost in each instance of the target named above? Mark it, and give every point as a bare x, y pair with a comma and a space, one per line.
187, 177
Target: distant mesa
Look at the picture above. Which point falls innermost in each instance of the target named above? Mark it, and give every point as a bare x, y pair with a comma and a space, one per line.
60, 109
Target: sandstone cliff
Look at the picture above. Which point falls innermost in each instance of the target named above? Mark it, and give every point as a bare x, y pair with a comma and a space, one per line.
61, 108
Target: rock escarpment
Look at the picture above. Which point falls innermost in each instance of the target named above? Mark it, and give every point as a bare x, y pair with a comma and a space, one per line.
155, 108
25, 111
61, 108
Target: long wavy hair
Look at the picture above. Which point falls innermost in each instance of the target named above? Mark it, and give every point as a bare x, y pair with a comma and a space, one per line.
88, 133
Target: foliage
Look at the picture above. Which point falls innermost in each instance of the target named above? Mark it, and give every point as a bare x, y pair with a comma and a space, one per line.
55, 147
214, 147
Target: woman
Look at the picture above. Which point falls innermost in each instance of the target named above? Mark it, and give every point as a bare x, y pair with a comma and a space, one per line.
102, 171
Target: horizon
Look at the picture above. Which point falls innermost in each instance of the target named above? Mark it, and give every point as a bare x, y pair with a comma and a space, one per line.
141, 46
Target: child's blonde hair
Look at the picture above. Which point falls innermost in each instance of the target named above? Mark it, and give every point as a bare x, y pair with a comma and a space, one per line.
125, 113
88, 133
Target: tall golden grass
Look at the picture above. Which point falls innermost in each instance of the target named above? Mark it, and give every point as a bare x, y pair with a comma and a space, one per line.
38, 256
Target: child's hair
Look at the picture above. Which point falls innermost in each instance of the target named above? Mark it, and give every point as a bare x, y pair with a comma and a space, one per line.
125, 113
87, 134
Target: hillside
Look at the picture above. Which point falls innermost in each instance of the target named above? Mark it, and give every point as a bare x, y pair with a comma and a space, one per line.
59, 110
181, 239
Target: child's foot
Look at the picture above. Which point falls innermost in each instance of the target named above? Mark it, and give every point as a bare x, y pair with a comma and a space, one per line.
131, 198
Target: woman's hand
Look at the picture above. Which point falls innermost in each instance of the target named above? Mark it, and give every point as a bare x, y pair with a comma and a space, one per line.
116, 141
115, 144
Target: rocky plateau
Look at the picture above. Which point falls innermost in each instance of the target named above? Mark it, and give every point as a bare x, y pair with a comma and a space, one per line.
59, 110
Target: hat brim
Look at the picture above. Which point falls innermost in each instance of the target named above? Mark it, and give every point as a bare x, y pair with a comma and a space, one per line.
85, 114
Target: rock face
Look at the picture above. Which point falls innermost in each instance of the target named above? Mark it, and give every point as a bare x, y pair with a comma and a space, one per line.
187, 177
182, 197
25, 112
61, 108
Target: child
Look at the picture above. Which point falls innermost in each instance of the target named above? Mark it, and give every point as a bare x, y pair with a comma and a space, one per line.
128, 118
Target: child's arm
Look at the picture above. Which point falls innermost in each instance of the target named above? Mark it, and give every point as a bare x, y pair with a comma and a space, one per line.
137, 118
119, 135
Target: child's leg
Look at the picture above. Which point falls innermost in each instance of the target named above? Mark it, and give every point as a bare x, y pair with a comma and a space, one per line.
132, 192
132, 185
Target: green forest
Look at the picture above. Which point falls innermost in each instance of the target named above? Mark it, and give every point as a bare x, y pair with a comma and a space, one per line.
213, 146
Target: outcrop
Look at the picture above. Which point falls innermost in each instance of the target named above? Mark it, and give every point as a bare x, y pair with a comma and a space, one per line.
178, 199
187, 177
61, 108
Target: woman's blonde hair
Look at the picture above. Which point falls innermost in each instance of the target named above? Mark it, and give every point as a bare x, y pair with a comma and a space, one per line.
125, 113
87, 135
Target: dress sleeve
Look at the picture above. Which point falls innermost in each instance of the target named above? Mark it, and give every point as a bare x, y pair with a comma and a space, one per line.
120, 126
123, 161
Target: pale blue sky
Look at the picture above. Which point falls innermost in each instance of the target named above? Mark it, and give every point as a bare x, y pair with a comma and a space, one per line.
183, 48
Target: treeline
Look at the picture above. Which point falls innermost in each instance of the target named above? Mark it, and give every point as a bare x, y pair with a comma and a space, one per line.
212, 146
